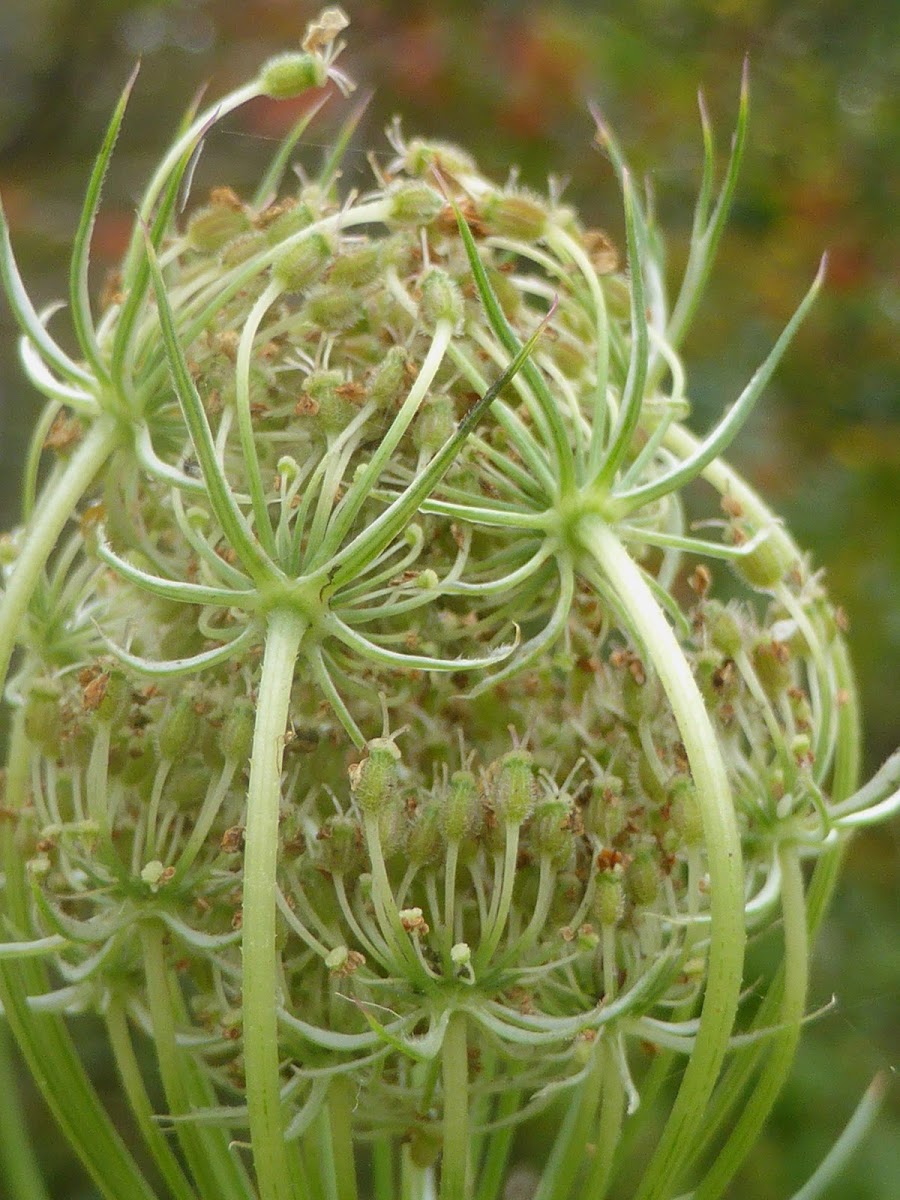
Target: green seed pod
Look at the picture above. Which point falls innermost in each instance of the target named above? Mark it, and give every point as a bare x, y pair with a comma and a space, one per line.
605, 814
460, 810
43, 714
178, 728
441, 299
642, 878
333, 308
724, 628
139, 762
608, 903
288, 75
551, 832
768, 563
772, 663
357, 266
116, 698
421, 156
303, 263
687, 816
214, 226
288, 221
236, 735
338, 845
435, 423
388, 381
413, 204
423, 842
516, 216
374, 780
513, 792
243, 248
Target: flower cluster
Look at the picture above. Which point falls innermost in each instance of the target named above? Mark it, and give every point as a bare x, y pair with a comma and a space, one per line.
416, 461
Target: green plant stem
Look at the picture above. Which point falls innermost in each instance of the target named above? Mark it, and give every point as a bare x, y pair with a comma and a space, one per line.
383, 1181
132, 1080
609, 1129
51, 512
746, 1129
568, 1154
340, 1113
490, 1178
723, 848
19, 1170
216, 1172
43, 1037
455, 1075
260, 965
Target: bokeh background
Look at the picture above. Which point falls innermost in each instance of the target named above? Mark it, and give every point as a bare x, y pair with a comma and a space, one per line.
510, 81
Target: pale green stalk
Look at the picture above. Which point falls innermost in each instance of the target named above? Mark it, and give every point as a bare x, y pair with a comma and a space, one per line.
41, 535
455, 1158
727, 937
260, 961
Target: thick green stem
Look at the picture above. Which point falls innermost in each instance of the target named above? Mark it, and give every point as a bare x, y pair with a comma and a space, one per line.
455, 1159
744, 1134
51, 512
723, 849
260, 965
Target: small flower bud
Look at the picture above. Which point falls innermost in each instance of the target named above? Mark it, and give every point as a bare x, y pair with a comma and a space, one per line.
513, 791
343, 961
605, 814
288, 75
460, 954
155, 875
374, 780
413, 921
288, 220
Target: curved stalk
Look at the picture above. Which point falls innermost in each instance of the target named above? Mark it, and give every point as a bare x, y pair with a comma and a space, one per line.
723, 847
260, 967
796, 973
51, 513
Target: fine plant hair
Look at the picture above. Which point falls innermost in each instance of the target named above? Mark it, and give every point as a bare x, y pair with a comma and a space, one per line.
395, 762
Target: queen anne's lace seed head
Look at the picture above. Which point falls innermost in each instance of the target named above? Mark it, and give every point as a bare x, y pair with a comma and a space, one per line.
406, 420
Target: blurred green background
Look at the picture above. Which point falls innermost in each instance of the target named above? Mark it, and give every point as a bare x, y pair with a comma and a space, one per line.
510, 81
